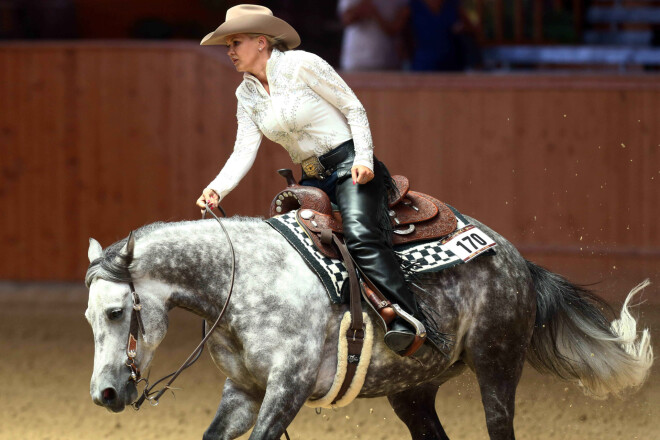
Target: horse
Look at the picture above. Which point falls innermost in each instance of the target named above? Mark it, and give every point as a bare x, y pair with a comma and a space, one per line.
277, 343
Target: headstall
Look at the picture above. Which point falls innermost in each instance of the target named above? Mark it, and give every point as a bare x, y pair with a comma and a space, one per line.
137, 327
133, 335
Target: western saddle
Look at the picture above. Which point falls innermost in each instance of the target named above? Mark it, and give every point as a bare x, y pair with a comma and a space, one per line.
414, 217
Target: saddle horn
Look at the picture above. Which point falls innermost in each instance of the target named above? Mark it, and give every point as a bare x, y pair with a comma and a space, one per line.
288, 175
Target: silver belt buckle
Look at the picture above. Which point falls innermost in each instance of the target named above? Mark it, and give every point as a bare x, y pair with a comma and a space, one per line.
313, 168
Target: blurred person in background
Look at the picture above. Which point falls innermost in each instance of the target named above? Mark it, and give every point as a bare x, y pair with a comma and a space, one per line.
372, 33
442, 36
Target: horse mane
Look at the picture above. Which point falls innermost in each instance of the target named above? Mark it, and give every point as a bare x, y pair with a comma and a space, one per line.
112, 266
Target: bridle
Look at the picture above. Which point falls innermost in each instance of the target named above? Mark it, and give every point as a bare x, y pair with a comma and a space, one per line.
137, 327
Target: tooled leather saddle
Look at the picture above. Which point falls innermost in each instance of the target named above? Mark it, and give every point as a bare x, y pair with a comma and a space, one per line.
414, 216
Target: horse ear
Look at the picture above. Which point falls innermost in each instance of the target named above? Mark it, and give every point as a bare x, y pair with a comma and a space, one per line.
130, 245
125, 257
95, 251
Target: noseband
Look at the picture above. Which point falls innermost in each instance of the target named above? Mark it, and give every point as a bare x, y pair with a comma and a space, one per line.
137, 327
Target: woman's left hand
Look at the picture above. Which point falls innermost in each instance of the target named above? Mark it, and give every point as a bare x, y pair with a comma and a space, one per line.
361, 174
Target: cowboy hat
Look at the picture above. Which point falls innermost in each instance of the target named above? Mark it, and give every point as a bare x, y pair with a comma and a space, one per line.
248, 19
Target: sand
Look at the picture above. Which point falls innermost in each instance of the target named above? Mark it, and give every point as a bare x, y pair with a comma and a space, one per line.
46, 356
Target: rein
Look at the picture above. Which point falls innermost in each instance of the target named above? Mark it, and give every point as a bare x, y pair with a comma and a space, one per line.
137, 327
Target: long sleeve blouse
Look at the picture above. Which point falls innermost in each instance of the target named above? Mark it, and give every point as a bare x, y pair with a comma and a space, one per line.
310, 110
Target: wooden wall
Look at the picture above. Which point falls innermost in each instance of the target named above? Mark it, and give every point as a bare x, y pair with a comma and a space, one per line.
100, 138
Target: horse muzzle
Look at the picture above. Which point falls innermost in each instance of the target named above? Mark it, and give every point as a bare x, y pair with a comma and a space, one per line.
114, 399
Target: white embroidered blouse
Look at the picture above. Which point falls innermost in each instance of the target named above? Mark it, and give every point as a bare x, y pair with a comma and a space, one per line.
310, 111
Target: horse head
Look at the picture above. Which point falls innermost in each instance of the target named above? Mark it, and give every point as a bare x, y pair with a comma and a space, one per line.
109, 312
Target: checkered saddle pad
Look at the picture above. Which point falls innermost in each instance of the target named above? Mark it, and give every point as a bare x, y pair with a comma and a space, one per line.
429, 256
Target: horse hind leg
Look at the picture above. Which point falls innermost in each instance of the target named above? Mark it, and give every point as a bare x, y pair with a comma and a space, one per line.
416, 408
498, 361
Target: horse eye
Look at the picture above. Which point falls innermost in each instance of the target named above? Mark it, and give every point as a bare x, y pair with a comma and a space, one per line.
115, 314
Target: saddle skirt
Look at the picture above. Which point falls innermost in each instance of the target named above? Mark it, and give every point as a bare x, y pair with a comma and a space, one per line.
414, 216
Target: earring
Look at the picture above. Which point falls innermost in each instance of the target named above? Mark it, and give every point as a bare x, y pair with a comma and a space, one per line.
260, 49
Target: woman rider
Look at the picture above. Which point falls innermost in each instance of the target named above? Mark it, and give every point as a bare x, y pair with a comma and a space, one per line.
296, 99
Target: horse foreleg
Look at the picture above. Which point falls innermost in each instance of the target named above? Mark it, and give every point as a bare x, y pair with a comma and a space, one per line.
236, 414
286, 393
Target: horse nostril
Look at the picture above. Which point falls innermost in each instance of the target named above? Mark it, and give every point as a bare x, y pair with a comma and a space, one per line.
109, 395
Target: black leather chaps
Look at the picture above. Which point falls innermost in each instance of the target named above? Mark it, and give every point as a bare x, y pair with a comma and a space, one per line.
365, 218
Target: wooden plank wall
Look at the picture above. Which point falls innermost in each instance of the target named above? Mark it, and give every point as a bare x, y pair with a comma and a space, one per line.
100, 138
566, 167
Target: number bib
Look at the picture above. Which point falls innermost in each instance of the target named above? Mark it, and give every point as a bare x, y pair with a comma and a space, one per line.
468, 242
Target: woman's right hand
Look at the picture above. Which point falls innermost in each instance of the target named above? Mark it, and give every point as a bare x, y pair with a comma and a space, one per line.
209, 197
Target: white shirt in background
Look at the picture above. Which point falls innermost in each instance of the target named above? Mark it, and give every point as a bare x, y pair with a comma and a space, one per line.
365, 45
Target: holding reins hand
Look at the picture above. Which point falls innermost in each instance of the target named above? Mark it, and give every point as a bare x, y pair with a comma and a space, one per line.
209, 197
361, 174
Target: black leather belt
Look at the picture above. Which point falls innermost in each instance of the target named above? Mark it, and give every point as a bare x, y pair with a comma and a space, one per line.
323, 166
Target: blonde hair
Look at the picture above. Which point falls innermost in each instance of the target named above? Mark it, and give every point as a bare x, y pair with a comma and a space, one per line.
273, 42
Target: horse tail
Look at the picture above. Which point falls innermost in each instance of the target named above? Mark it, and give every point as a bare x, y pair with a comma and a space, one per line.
574, 340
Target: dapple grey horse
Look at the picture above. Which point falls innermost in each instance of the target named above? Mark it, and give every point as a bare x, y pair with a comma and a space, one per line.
277, 343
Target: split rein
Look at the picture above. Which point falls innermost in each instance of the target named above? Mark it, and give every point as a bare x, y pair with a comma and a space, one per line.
137, 328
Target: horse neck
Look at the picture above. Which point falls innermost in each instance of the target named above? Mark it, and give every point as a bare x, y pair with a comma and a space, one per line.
193, 259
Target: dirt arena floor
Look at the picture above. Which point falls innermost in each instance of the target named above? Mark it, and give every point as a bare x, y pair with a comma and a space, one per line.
46, 355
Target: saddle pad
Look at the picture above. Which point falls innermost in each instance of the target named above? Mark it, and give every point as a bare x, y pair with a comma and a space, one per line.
420, 257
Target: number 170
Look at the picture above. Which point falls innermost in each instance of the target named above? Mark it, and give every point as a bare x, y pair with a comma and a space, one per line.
471, 239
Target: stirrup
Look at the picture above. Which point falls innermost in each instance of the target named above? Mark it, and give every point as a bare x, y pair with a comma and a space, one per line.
420, 330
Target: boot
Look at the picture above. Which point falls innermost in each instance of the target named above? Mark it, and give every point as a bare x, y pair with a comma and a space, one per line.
362, 207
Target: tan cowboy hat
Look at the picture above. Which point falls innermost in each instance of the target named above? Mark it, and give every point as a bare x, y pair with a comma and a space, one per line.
248, 19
